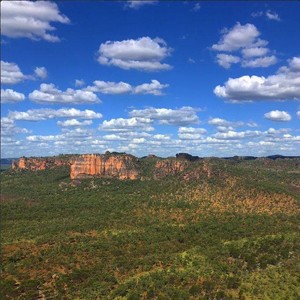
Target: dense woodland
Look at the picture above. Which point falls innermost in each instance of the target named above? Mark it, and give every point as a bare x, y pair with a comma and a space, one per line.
231, 235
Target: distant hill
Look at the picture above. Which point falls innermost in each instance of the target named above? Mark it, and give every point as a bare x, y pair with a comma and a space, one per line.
6, 161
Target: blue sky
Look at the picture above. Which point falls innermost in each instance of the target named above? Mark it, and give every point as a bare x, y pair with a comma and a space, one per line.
207, 78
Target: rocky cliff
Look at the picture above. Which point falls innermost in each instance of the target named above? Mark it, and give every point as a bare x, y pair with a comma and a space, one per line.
40, 163
170, 166
120, 166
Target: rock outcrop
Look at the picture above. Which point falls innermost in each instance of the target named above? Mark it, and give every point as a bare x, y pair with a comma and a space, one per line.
39, 163
170, 166
121, 166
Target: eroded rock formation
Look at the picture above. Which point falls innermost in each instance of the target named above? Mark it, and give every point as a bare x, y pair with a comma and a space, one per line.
39, 163
120, 166
169, 166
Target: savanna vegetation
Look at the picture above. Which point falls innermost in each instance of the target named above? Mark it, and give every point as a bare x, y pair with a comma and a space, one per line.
231, 235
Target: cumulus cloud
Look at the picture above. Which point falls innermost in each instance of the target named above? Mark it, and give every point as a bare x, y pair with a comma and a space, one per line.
161, 137
226, 60
278, 116
223, 122
192, 130
245, 40
285, 85
235, 135
28, 19
179, 117
79, 82
239, 36
48, 93
272, 15
11, 96
113, 137
9, 128
123, 125
41, 72
154, 88
254, 51
74, 123
136, 4
47, 113
11, 73
272, 131
143, 54
108, 87
189, 136
262, 62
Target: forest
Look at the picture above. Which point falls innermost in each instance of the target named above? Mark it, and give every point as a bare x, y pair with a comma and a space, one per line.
231, 235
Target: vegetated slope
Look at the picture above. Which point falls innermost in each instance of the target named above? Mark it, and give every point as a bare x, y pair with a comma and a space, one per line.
219, 229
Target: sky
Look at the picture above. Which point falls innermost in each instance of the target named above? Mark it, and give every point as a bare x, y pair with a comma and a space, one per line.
150, 77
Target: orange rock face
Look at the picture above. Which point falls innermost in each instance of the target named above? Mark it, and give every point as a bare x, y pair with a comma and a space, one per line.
102, 165
169, 167
42, 163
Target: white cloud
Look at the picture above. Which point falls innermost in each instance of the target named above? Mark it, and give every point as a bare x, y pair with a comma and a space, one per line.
285, 85
254, 51
74, 123
123, 125
11, 73
28, 19
47, 113
192, 130
138, 141
41, 72
278, 116
272, 15
11, 96
161, 137
143, 54
257, 14
298, 114
191, 61
113, 137
9, 128
272, 131
262, 62
179, 117
234, 135
189, 136
245, 40
79, 82
239, 36
154, 88
48, 93
223, 122
136, 4
108, 87
226, 60
43, 138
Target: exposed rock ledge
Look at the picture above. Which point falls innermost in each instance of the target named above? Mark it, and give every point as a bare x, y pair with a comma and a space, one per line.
121, 166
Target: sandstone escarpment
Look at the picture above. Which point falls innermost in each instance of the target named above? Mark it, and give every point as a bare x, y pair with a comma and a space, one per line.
39, 163
121, 166
169, 166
